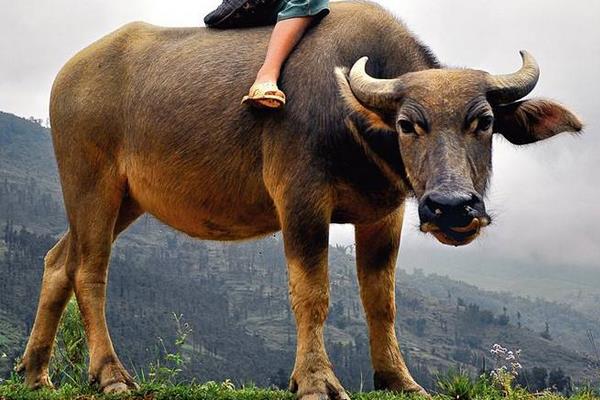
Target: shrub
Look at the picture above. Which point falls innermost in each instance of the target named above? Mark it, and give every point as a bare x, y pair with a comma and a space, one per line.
458, 385
169, 364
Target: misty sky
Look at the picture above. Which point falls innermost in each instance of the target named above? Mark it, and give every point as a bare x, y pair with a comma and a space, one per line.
545, 197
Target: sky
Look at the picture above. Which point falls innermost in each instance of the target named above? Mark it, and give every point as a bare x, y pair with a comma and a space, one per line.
545, 196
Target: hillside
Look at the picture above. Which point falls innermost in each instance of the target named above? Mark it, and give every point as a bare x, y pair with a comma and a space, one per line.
235, 296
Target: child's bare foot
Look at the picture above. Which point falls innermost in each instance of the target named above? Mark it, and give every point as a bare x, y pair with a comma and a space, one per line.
265, 95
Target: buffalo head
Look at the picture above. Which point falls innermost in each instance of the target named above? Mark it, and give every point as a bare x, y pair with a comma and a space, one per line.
445, 120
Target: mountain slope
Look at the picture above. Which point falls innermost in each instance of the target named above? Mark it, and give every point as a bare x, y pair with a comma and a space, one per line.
235, 295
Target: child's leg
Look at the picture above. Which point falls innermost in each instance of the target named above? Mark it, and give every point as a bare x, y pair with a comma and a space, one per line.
286, 34
284, 38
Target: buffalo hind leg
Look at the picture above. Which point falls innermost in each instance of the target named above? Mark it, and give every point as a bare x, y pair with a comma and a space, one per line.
100, 217
305, 228
56, 291
376, 252
60, 265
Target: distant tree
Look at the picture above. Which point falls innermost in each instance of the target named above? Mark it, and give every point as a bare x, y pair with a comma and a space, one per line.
538, 379
464, 355
417, 326
422, 374
280, 379
558, 381
171, 240
473, 314
337, 315
37, 121
472, 341
444, 325
546, 332
503, 319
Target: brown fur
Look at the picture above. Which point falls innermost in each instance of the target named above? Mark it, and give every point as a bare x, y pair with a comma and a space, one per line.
147, 120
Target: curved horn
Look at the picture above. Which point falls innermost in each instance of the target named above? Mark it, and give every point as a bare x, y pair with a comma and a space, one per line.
505, 89
376, 93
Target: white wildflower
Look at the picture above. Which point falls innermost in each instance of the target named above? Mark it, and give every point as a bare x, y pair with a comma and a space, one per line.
507, 362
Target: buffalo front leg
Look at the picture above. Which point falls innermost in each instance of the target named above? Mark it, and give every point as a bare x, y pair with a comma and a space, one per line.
305, 230
376, 252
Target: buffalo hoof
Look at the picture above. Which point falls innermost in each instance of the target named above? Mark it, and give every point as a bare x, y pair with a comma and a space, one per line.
35, 378
318, 386
112, 378
396, 382
116, 388
38, 382
318, 396
119, 387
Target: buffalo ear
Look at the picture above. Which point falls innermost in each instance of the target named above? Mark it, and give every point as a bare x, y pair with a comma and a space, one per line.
532, 120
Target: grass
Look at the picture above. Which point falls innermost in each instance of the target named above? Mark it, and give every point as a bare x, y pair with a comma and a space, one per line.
207, 391
14, 389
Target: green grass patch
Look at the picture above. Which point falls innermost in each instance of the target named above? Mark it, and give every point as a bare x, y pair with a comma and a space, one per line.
207, 391
13, 389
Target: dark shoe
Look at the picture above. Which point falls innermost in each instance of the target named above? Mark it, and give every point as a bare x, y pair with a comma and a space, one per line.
243, 13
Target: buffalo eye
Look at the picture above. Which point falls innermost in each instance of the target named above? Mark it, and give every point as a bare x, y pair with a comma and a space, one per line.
406, 126
484, 123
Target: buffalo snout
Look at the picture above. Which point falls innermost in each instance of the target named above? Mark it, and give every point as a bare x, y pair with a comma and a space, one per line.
453, 218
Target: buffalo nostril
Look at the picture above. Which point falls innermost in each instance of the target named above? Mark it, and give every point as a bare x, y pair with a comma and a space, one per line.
475, 207
474, 200
435, 203
451, 209
440, 204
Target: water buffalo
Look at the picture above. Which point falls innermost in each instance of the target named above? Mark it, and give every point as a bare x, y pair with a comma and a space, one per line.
147, 119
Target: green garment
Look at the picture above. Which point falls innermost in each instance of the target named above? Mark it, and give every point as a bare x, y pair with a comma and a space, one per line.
302, 8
